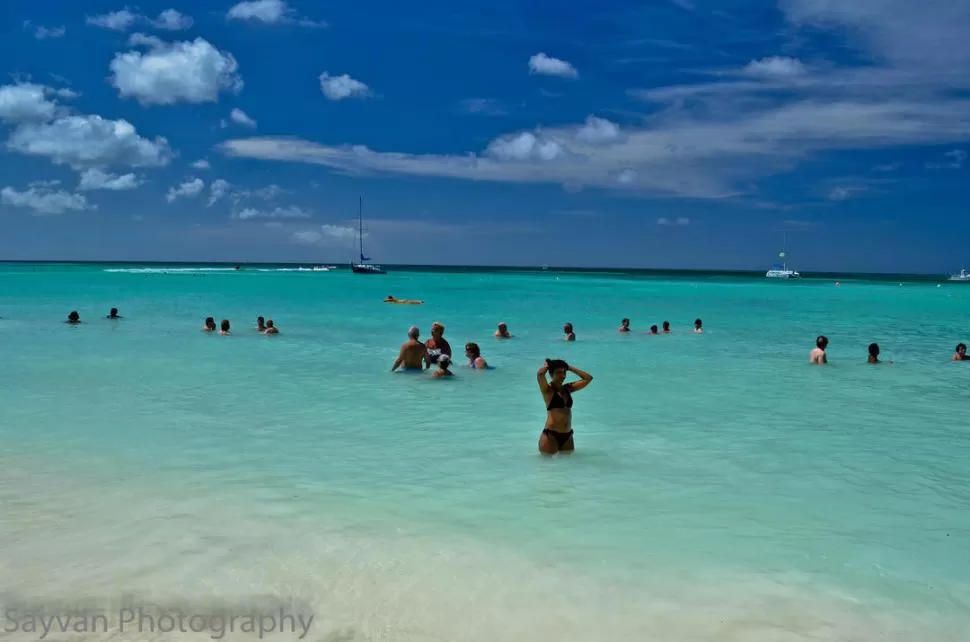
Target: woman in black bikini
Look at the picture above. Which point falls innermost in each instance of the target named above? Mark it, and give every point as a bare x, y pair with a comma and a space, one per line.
557, 436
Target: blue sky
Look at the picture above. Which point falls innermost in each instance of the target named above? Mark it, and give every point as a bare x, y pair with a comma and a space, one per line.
670, 133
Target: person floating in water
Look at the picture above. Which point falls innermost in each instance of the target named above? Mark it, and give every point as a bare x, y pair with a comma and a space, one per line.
666, 327
73, 318
414, 354
818, 356
502, 332
474, 354
557, 435
113, 314
567, 330
698, 326
225, 329
260, 324
653, 329
961, 353
271, 328
444, 362
624, 326
209, 325
391, 299
437, 345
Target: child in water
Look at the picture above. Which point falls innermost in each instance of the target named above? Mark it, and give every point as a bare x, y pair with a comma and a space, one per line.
444, 361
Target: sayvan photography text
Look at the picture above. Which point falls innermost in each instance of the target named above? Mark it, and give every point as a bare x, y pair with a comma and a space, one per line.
138, 619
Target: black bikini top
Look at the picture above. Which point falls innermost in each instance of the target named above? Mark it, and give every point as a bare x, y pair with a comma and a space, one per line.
560, 400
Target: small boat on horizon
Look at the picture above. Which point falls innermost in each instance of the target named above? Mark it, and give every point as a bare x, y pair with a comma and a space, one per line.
962, 275
364, 267
781, 271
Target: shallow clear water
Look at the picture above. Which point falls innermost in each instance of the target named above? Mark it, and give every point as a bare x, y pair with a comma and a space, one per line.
722, 488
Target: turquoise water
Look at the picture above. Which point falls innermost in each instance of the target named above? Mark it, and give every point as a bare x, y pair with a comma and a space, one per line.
722, 488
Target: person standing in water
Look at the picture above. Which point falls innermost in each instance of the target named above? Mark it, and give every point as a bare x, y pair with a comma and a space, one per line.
414, 354
73, 318
961, 353
225, 329
698, 326
567, 330
437, 345
624, 326
209, 325
666, 327
502, 332
818, 356
444, 362
653, 329
271, 328
474, 354
113, 314
260, 324
557, 435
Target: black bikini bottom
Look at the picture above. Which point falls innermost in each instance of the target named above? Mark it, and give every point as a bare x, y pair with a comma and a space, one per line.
562, 438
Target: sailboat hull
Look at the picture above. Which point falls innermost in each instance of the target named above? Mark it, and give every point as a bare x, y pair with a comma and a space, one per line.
367, 269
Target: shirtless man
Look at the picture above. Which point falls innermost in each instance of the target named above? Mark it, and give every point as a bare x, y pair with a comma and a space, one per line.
817, 356
414, 354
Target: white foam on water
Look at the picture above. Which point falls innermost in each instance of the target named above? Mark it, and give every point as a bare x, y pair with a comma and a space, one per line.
70, 541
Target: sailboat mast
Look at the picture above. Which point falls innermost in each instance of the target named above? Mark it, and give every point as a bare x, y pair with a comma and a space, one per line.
360, 224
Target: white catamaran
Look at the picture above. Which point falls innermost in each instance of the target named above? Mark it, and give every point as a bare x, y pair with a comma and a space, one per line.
781, 271
364, 267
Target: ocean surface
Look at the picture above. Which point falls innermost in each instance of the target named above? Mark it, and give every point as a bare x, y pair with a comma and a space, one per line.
722, 488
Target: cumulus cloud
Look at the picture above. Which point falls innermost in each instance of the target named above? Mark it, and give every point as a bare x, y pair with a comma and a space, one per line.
217, 190
276, 213
187, 189
90, 141
43, 197
522, 147
190, 72
775, 66
240, 117
45, 33
327, 235
125, 19
94, 178
341, 87
598, 130
25, 103
270, 12
201, 164
548, 66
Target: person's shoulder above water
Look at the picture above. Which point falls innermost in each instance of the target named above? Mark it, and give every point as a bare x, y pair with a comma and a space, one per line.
817, 356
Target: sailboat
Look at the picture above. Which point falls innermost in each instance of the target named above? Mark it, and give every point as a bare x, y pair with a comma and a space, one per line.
781, 271
962, 275
364, 267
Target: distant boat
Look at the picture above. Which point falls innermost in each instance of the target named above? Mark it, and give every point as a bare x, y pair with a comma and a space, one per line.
324, 268
781, 271
962, 275
364, 267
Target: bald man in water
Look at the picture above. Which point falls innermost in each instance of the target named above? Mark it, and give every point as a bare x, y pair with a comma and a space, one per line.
414, 354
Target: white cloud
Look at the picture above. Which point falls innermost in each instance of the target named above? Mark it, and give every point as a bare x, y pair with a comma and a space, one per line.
144, 40
44, 198
842, 193
598, 130
217, 190
191, 72
343, 86
308, 237
90, 141
270, 12
125, 19
201, 164
116, 21
240, 117
172, 20
775, 66
486, 106
43, 33
187, 189
94, 178
25, 103
327, 235
276, 213
522, 147
954, 160
548, 66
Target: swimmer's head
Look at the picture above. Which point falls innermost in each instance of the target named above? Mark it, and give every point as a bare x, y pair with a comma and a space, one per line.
653, 329
666, 325
697, 323
210, 323
225, 325
74, 316
472, 350
873, 349
567, 328
444, 361
113, 312
437, 329
557, 370
625, 323
270, 324
822, 342
414, 332
260, 321
961, 348
503, 327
